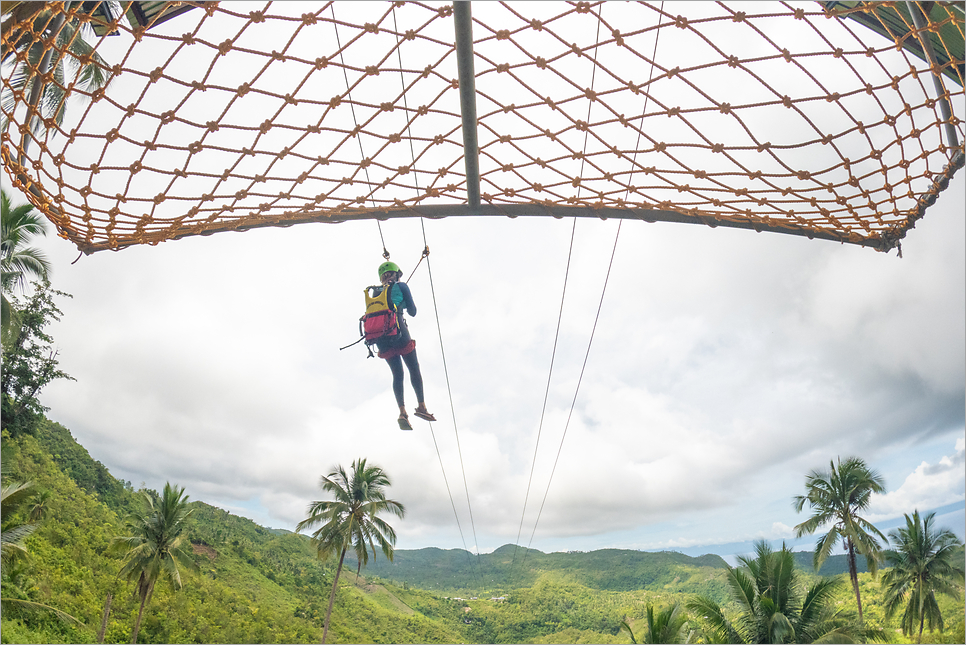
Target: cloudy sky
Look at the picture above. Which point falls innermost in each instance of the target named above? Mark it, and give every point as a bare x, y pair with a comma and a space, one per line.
725, 366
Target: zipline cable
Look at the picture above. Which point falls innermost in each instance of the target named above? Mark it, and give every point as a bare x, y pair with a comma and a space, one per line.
352, 107
425, 255
603, 291
577, 389
546, 395
606, 280
452, 407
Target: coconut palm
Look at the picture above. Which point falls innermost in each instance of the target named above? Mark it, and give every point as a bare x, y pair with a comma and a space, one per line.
774, 607
17, 260
836, 496
926, 562
28, 29
155, 547
667, 626
14, 530
351, 521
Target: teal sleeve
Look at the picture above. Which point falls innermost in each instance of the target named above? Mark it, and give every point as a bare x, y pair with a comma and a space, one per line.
402, 298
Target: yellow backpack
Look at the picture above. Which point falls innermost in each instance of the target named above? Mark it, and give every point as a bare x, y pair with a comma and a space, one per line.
380, 319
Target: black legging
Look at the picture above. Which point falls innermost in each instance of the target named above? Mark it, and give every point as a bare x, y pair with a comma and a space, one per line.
415, 377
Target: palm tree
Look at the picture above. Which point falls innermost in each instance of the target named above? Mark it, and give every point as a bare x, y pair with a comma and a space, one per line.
17, 260
39, 505
155, 547
28, 28
773, 607
836, 497
351, 520
666, 627
925, 562
13, 531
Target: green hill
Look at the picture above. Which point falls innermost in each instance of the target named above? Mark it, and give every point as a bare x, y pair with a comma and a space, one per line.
254, 584
833, 566
257, 584
493, 574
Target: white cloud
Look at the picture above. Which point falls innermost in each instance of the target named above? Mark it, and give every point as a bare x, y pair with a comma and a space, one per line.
780, 530
929, 486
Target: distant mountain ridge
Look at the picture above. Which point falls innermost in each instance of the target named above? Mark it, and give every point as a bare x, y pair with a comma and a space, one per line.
509, 567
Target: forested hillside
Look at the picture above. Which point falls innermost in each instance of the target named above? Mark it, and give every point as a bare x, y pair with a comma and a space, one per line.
458, 571
254, 584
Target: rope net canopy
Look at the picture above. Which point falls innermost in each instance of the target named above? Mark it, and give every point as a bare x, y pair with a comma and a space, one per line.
792, 117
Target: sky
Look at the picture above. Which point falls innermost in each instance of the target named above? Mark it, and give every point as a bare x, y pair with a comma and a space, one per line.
725, 366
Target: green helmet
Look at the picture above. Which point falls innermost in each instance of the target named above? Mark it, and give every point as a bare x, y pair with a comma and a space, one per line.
387, 266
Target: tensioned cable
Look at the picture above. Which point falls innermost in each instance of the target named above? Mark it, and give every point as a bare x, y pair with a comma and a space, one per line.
581, 378
604, 290
583, 161
425, 256
449, 391
546, 395
355, 123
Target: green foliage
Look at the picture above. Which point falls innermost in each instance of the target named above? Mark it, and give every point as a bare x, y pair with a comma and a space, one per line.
352, 519
255, 584
773, 607
832, 566
77, 463
154, 547
926, 563
668, 625
458, 572
16, 526
836, 497
18, 224
29, 361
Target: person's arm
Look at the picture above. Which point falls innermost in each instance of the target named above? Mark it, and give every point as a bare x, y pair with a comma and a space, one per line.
408, 303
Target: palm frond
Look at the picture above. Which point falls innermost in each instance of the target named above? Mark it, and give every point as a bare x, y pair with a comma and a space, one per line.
716, 628
742, 589
36, 606
824, 546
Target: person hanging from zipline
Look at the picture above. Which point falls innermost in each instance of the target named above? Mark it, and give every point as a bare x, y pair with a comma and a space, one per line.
400, 347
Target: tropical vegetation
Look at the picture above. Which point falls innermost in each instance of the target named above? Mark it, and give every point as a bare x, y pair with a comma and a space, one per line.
774, 607
352, 519
669, 625
156, 545
21, 508
836, 497
256, 584
18, 260
926, 561
45, 53
29, 358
